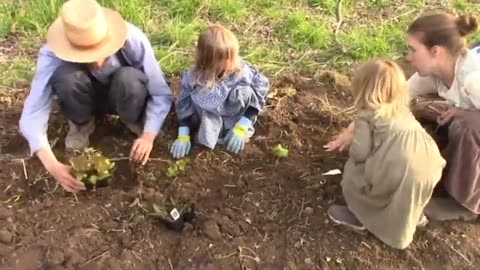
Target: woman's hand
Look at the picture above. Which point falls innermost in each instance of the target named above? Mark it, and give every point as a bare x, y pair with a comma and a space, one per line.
447, 115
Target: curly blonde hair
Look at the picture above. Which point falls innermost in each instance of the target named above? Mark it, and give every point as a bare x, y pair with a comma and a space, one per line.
380, 86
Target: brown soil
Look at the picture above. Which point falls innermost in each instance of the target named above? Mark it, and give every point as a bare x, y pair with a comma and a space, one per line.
253, 211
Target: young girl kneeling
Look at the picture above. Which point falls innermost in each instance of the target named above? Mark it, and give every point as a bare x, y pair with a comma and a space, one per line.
393, 163
221, 95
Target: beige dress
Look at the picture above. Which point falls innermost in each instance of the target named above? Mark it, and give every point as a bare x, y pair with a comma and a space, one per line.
461, 178
390, 175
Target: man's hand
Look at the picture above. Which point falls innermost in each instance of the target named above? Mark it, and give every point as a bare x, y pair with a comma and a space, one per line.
59, 171
142, 147
447, 116
342, 141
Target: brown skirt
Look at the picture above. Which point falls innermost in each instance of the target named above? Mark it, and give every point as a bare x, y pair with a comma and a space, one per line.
460, 145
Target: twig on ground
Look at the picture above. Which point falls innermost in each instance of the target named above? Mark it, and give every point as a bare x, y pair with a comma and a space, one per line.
136, 256
348, 110
240, 249
256, 259
25, 169
241, 256
403, 14
456, 251
339, 16
365, 244
170, 263
339, 23
301, 208
119, 158
150, 159
7, 188
226, 256
76, 198
96, 258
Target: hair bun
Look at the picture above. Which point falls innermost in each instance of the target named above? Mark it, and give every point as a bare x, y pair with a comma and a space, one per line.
466, 25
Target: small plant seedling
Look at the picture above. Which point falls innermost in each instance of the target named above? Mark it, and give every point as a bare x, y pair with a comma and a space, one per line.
159, 210
170, 216
174, 215
92, 168
280, 152
178, 167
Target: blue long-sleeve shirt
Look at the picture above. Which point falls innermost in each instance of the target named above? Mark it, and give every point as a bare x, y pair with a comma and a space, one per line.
137, 51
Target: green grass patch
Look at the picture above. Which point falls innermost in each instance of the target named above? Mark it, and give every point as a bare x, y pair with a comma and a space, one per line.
304, 31
275, 35
16, 71
174, 32
228, 11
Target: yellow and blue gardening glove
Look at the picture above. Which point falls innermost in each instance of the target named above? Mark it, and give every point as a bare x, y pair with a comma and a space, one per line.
238, 136
182, 144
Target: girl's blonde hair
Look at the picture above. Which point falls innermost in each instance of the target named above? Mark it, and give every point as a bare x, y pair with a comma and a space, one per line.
217, 55
380, 86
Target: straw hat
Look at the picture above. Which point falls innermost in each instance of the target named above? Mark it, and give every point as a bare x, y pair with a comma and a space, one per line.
86, 32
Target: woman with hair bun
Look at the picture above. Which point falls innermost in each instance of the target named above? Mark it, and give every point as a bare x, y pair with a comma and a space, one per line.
445, 66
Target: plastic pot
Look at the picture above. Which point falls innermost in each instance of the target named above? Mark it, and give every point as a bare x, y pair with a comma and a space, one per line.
189, 213
174, 225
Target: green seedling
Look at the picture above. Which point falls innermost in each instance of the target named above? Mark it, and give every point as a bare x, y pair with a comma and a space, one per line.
91, 167
280, 152
178, 168
159, 210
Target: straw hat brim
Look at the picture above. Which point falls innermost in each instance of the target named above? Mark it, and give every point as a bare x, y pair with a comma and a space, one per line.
115, 39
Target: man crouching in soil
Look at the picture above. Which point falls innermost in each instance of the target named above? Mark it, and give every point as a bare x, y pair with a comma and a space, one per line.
95, 63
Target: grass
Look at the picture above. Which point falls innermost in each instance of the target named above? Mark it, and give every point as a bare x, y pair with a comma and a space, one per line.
275, 35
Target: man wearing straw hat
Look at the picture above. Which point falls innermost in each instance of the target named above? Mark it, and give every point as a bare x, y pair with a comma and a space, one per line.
95, 63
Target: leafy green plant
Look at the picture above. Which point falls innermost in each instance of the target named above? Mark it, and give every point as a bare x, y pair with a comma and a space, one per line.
178, 167
280, 152
91, 167
159, 210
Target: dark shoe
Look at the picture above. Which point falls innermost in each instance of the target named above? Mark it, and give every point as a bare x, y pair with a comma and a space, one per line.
78, 136
340, 214
443, 209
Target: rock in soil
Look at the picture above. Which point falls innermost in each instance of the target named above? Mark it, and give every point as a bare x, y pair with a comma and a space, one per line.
32, 259
308, 211
73, 258
110, 225
212, 230
5, 213
229, 227
6, 237
56, 257
323, 264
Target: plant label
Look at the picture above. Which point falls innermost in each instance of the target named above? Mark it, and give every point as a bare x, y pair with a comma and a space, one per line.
174, 213
333, 172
